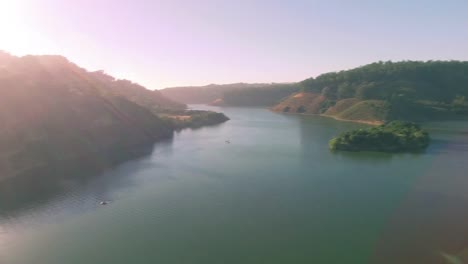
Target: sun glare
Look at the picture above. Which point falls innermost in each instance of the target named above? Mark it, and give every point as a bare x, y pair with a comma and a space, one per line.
10, 27
17, 36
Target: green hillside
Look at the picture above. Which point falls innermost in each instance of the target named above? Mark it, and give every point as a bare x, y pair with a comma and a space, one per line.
408, 90
371, 110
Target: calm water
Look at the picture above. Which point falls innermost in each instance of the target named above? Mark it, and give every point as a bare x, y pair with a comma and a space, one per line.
275, 194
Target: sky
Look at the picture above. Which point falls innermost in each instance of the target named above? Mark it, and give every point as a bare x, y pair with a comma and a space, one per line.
164, 43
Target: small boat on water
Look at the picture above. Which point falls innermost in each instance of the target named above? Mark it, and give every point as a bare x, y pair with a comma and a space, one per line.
228, 142
104, 203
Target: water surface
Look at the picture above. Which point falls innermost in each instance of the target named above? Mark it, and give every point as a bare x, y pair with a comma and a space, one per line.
274, 194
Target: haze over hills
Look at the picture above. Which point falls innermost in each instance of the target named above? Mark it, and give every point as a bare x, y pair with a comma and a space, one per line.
236, 94
52, 111
152, 99
365, 163
374, 93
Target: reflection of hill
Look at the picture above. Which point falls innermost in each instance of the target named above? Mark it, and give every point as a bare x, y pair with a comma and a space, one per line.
89, 179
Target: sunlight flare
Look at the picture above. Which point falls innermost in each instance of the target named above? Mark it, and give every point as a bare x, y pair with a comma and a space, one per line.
17, 35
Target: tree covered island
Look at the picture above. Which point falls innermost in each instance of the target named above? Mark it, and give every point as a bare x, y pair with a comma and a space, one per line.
395, 136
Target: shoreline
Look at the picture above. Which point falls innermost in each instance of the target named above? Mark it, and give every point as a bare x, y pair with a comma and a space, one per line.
365, 122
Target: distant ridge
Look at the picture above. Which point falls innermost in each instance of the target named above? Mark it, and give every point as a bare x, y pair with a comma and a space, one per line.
136, 93
235, 94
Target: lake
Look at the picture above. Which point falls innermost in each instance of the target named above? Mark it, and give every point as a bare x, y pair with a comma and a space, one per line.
274, 194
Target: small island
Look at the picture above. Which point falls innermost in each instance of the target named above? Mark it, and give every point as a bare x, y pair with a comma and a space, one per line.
395, 136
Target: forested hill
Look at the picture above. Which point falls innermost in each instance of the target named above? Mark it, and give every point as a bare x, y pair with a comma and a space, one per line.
386, 91
53, 113
203, 94
236, 94
258, 96
440, 81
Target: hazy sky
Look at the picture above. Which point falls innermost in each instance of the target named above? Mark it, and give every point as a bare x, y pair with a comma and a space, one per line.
163, 43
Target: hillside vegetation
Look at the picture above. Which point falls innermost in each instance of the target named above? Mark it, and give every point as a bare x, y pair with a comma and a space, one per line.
238, 94
301, 103
259, 96
172, 112
409, 90
202, 94
53, 112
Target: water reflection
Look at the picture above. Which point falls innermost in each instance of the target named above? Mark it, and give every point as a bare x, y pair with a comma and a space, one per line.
316, 131
430, 224
28, 192
276, 194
